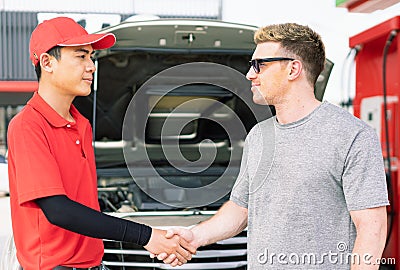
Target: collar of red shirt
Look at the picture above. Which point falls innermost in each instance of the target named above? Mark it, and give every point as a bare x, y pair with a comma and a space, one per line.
40, 105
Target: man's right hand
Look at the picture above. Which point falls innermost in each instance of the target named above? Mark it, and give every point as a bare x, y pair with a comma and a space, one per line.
174, 246
184, 234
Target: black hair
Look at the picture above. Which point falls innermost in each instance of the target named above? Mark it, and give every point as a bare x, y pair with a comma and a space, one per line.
56, 52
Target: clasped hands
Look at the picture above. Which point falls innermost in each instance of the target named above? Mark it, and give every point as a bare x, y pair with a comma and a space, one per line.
174, 246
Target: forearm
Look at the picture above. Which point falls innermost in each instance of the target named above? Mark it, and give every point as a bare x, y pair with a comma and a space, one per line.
368, 250
72, 216
230, 220
370, 240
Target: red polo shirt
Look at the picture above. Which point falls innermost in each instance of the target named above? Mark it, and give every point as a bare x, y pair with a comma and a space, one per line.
47, 156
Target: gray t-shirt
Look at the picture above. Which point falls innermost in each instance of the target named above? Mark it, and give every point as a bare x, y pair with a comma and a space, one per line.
300, 180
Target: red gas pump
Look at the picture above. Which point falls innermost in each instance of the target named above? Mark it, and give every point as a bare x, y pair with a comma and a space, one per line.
377, 103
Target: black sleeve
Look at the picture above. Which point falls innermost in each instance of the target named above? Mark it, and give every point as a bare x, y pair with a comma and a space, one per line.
75, 217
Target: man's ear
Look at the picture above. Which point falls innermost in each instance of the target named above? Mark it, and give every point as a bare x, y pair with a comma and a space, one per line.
46, 63
296, 67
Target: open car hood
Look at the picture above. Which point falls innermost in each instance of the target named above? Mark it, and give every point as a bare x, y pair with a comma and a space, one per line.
143, 50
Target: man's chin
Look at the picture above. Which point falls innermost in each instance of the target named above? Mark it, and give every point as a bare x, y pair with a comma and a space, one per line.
85, 92
260, 100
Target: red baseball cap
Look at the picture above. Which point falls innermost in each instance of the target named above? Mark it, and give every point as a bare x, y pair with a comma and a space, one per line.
63, 31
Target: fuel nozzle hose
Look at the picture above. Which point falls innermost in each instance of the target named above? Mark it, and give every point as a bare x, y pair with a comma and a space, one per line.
389, 41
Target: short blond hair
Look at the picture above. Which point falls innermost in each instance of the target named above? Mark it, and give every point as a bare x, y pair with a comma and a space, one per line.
299, 42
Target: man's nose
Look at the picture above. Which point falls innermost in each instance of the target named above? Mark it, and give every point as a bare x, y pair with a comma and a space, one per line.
91, 66
251, 74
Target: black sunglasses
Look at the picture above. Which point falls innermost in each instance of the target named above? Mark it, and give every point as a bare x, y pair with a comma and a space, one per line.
255, 63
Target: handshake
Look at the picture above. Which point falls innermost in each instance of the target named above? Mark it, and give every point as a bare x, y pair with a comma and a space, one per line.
174, 246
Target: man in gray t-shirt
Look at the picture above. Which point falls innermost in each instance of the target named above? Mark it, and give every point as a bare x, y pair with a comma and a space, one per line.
299, 190
311, 188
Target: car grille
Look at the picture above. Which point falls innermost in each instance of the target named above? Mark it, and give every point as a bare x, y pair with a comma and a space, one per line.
226, 254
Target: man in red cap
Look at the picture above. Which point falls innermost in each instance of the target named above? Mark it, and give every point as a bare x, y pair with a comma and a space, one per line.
53, 184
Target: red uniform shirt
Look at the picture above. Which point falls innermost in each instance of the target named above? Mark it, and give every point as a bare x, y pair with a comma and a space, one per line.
48, 156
